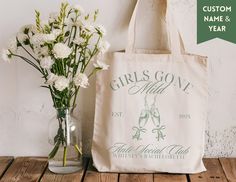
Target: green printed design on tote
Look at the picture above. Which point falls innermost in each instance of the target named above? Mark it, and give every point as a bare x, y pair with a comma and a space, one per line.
159, 132
149, 150
147, 114
138, 131
150, 83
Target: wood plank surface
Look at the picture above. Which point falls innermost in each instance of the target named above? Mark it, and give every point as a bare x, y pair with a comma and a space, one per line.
93, 176
51, 177
214, 172
136, 178
5, 162
25, 169
229, 167
170, 177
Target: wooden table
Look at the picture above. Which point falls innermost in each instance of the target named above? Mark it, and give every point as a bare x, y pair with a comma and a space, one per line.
24, 169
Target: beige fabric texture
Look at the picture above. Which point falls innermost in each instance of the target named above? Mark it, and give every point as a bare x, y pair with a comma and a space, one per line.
151, 109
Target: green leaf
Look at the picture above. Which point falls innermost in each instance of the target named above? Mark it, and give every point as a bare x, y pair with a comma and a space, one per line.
95, 15
61, 114
60, 38
67, 33
56, 138
47, 28
18, 44
26, 30
27, 42
71, 44
38, 21
43, 86
57, 96
86, 17
54, 150
62, 13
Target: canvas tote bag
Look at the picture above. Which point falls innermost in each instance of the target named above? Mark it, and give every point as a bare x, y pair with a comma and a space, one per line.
151, 109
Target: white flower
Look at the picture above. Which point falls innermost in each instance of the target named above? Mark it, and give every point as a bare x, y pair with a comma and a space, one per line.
6, 55
44, 51
61, 51
56, 32
101, 65
81, 80
76, 23
103, 46
12, 45
88, 27
48, 37
46, 62
39, 39
70, 75
78, 39
71, 23
61, 83
22, 37
68, 22
41, 51
101, 30
78, 8
51, 79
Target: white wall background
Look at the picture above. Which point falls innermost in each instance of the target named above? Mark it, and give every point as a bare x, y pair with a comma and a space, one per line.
25, 108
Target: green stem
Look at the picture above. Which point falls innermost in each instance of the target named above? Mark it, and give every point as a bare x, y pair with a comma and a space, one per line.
53, 99
74, 61
70, 35
94, 71
80, 56
78, 149
75, 33
76, 94
63, 67
28, 61
95, 50
31, 46
54, 150
29, 53
64, 156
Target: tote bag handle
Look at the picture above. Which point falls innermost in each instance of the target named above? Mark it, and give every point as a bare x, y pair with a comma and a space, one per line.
175, 41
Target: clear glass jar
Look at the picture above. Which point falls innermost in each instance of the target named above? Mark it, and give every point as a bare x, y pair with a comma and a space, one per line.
65, 136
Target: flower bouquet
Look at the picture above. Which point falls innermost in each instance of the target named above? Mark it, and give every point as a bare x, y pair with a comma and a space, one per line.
61, 49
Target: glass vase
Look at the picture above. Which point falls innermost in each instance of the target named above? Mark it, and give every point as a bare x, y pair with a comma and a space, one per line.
65, 136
